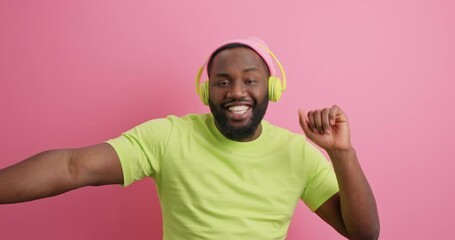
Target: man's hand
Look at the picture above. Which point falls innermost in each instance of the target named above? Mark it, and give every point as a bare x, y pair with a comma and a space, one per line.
328, 128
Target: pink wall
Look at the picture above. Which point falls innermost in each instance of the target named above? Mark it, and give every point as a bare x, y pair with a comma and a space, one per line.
75, 73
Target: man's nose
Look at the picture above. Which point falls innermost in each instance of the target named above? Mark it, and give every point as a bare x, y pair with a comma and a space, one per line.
238, 90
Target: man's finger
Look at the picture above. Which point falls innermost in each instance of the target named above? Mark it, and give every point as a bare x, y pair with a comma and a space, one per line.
333, 115
318, 121
336, 114
325, 119
304, 122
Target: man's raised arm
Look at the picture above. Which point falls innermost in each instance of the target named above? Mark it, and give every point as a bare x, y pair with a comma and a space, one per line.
57, 171
352, 211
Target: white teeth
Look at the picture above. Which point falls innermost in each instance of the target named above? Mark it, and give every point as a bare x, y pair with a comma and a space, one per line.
238, 109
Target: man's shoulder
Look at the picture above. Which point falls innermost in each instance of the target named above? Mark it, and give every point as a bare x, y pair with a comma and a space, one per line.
189, 118
172, 121
190, 122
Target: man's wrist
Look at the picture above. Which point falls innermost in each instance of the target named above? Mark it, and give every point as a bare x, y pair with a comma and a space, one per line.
346, 153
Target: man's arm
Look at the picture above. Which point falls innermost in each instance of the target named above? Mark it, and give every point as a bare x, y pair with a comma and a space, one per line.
57, 171
352, 211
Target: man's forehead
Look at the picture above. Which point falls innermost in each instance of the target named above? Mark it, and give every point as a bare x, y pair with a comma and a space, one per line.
240, 57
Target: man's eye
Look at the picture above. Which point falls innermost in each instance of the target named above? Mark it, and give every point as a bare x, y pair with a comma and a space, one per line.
250, 81
222, 83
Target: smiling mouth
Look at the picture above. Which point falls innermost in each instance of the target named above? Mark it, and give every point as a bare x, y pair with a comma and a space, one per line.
239, 109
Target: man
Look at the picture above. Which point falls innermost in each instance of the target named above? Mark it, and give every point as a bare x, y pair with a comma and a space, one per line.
224, 175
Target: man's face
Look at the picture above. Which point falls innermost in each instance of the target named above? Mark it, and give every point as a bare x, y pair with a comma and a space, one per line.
238, 93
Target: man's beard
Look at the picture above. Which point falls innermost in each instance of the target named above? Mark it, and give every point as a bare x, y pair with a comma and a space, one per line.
238, 133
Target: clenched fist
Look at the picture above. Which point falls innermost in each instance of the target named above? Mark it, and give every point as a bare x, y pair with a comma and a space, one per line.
328, 128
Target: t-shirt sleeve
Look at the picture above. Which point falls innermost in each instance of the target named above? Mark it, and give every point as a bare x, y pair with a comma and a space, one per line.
141, 149
322, 183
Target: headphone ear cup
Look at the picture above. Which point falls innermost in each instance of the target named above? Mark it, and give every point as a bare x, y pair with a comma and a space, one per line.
275, 89
204, 94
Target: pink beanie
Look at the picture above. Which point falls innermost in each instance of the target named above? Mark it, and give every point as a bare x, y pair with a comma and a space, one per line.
259, 46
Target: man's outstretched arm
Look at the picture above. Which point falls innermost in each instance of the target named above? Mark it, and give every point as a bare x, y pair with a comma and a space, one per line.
57, 171
352, 211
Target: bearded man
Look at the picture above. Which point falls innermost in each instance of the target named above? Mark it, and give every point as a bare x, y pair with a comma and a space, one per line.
228, 174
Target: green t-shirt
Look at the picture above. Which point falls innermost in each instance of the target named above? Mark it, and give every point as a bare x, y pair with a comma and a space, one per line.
211, 187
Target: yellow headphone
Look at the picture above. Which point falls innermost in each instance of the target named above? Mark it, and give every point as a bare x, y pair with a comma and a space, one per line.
276, 86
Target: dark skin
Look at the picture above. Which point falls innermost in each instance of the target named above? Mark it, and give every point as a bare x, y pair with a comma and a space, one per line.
237, 73
57, 171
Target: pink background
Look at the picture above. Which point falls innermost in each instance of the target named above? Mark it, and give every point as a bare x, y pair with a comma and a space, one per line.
76, 73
